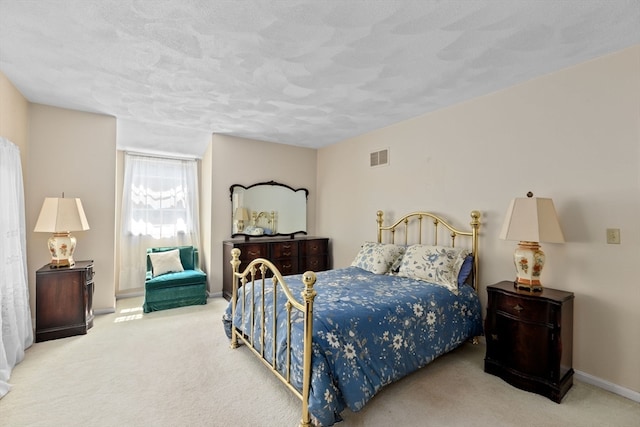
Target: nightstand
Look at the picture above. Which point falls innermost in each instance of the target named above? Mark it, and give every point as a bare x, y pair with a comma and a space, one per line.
529, 338
64, 298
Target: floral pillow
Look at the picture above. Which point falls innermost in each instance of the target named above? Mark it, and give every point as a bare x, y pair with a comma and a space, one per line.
435, 264
378, 258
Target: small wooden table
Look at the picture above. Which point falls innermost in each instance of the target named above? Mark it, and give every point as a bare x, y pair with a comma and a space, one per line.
530, 338
64, 299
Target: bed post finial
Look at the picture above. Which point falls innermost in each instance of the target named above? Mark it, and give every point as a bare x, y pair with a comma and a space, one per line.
475, 215
379, 221
235, 255
309, 278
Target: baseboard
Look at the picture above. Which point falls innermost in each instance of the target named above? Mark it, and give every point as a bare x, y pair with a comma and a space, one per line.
110, 310
595, 381
130, 294
606, 385
106, 310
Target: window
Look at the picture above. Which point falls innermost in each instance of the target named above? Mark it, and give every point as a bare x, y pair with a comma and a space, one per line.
159, 208
159, 199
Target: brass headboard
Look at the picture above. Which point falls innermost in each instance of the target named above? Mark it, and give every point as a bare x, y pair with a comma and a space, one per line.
408, 221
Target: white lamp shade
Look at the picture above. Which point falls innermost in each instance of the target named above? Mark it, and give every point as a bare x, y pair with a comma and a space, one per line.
532, 219
60, 215
241, 214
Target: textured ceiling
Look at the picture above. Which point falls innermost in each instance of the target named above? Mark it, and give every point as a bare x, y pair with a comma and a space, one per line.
307, 73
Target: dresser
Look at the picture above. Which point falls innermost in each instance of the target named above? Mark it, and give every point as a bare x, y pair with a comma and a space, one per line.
290, 256
530, 338
64, 301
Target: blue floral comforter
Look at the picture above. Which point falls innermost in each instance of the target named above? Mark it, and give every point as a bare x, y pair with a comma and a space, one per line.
369, 330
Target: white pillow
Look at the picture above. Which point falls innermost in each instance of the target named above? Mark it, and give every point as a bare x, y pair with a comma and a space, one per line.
434, 264
166, 262
378, 258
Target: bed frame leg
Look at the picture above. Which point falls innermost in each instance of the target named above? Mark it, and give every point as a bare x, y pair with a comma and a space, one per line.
234, 339
235, 264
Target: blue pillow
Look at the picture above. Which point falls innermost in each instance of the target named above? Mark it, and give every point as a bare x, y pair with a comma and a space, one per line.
465, 270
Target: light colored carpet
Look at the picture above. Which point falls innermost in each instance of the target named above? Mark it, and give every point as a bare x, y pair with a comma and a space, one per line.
175, 368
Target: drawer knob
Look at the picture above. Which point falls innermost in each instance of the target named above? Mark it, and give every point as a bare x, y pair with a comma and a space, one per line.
518, 307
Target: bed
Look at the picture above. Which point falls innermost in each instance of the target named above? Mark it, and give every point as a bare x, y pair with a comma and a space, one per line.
342, 335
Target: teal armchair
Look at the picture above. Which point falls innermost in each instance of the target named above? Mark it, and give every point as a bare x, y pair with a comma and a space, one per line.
175, 289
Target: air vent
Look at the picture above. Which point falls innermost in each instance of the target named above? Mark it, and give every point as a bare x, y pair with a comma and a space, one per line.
380, 158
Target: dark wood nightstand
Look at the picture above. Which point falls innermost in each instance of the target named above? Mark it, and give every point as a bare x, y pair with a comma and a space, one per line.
64, 299
530, 338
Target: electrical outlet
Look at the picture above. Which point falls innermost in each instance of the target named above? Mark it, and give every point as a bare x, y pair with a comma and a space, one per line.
613, 236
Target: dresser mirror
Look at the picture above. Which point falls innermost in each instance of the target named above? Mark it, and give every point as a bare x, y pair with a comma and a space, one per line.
268, 209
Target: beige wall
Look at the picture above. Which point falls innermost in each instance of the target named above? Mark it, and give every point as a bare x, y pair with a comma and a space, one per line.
14, 114
74, 152
118, 218
206, 218
71, 152
572, 136
254, 162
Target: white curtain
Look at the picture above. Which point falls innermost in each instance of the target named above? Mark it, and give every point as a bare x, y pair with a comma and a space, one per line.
15, 319
159, 208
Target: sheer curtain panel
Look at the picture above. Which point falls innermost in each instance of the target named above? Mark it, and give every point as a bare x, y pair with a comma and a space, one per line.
159, 208
15, 319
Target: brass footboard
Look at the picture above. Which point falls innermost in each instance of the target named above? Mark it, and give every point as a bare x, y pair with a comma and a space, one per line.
256, 273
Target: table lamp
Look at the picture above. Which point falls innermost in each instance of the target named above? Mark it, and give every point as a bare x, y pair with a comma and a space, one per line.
241, 215
61, 216
531, 220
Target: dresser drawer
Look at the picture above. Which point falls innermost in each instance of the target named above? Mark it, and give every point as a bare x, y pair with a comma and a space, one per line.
284, 249
251, 251
287, 266
530, 310
314, 263
314, 247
